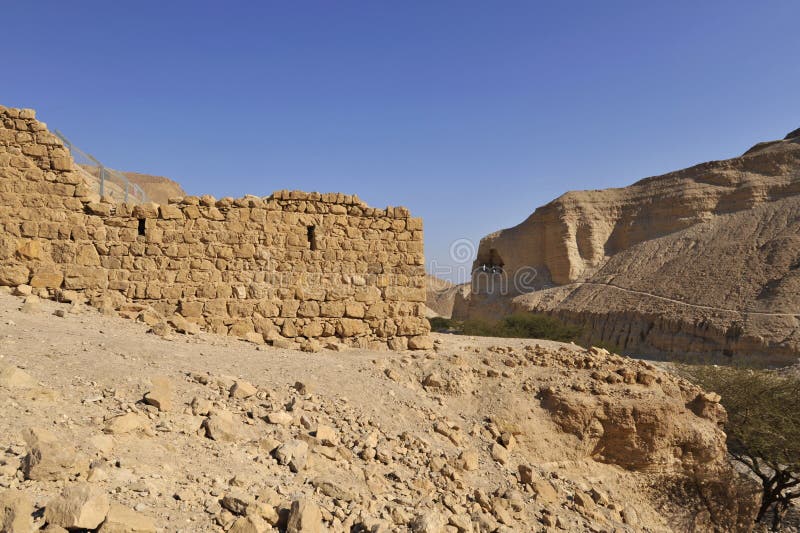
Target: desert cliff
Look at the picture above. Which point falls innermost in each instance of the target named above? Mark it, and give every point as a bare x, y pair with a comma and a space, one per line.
703, 260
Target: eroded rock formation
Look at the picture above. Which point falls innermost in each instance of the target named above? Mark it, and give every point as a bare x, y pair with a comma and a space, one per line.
702, 260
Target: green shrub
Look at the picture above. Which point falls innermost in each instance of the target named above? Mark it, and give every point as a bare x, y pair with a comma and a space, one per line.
763, 429
523, 326
441, 324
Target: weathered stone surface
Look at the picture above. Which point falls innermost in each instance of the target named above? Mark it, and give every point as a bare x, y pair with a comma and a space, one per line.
120, 519
293, 453
79, 506
349, 264
243, 389
221, 426
160, 394
122, 424
16, 512
12, 377
48, 457
304, 517
608, 260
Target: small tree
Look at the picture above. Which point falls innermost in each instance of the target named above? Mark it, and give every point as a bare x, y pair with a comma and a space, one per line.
763, 429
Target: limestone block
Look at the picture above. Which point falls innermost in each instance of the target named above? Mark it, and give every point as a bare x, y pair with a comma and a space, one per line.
190, 309
81, 506
86, 255
62, 163
13, 275
48, 276
332, 309
368, 295
348, 327
289, 308
147, 210
170, 212
308, 309
354, 310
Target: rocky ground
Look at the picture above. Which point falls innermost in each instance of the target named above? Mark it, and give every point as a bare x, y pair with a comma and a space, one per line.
107, 426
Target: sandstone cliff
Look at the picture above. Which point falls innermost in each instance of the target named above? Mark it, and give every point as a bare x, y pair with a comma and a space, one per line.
702, 261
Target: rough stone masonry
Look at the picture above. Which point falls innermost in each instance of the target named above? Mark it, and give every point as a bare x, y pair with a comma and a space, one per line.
288, 268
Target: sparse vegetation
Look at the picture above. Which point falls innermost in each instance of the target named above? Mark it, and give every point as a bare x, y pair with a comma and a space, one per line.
763, 429
518, 325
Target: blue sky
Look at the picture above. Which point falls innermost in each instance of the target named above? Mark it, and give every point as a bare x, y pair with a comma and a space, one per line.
469, 113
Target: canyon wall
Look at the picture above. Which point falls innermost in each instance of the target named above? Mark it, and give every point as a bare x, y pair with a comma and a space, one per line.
293, 266
699, 261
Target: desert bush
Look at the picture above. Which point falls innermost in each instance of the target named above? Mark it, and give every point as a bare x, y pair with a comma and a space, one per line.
441, 324
763, 429
518, 325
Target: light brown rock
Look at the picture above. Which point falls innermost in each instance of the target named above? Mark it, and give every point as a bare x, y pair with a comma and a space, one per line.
121, 519
304, 517
119, 425
80, 506
49, 458
16, 512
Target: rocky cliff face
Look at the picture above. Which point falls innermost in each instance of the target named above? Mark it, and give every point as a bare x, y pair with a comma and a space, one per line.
702, 260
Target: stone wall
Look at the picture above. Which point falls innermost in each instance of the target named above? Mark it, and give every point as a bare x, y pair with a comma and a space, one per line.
290, 267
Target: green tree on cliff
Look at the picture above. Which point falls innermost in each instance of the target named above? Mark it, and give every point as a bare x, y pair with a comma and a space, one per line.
763, 430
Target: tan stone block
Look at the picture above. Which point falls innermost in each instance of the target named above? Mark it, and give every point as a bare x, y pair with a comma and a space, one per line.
99, 209
349, 327
289, 308
398, 343
313, 329
190, 309
147, 210
86, 255
241, 328
47, 276
245, 251
308, 309
170, 212
332, 309
62, 163
13, 275
367, 295
29, 249
289, 329
354, 309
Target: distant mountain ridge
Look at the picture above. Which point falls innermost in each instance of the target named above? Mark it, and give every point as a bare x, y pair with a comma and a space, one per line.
705, 260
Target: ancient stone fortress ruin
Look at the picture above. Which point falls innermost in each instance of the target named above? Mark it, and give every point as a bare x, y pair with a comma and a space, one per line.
293, 269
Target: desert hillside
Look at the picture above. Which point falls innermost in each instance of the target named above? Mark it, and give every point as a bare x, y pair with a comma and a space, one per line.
700, 261
157, 188
108, 425
443, 296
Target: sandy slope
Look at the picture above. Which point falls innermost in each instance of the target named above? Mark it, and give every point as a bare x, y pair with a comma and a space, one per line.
478, 435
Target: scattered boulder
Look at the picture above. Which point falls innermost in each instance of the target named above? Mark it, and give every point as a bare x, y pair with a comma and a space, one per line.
119, 425
120, 519
281, 418
428, 522
221, 426
160, 395
243, 389
304, 517
250, 524
79, 506
49, 458
293, 453
327, 435
16, 512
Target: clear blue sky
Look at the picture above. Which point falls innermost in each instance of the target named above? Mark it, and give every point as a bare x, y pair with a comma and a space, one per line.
470, 113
